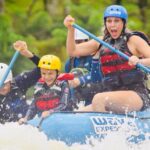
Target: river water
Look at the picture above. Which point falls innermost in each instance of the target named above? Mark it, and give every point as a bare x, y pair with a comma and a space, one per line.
26, 137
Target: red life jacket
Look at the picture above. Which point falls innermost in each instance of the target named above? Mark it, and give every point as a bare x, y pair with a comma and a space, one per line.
46, 98
115, 68
47, 105
112, 63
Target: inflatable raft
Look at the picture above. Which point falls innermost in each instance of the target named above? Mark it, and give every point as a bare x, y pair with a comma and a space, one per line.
77, 127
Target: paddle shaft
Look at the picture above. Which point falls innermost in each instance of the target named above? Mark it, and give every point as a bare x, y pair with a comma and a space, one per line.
40, 122
146, 69
9, 68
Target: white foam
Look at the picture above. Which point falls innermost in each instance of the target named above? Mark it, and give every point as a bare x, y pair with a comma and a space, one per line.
26, 137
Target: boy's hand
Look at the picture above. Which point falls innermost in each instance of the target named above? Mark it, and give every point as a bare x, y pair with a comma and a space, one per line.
22, 120
74, 83
22, 47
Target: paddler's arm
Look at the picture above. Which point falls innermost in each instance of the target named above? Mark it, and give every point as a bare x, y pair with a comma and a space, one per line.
73, 49
32, 111
27, 79
94, 76
22, 47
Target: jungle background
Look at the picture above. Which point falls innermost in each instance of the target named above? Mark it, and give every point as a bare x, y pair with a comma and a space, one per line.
40, 24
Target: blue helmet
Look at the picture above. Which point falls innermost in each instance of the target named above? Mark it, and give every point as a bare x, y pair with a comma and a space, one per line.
116, 11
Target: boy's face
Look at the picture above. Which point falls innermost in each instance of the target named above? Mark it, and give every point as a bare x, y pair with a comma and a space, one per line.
49, 76
5, 89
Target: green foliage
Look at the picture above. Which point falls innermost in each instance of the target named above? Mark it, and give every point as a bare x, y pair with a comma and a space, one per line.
7, 37
59, 37
40, 23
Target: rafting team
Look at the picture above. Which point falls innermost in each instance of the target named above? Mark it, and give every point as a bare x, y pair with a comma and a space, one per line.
106, 81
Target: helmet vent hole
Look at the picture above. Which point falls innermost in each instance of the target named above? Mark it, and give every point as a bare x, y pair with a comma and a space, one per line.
43, 62
49, 63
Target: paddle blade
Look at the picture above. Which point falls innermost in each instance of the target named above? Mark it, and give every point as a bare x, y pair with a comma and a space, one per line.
65, 76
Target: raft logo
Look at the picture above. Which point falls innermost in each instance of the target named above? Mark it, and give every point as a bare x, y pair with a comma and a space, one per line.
103, 125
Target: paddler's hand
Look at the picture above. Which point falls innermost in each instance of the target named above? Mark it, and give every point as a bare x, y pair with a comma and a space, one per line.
68, 21
133, 60
46, 113
74, 83
22, 47
22, 121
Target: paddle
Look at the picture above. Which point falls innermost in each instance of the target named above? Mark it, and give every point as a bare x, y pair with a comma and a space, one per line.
142, 67
40, 122
9, 68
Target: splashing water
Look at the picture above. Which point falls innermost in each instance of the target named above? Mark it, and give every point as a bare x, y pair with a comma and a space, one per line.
26, 137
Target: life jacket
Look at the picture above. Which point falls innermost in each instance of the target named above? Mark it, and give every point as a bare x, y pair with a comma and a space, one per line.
115, 69
140, 34
46, 98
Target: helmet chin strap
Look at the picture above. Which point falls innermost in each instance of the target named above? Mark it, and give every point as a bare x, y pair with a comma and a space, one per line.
56, 76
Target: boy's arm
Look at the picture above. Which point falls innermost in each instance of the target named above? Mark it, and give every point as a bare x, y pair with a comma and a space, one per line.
27, 79
35, 59
32, 111
22, 47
